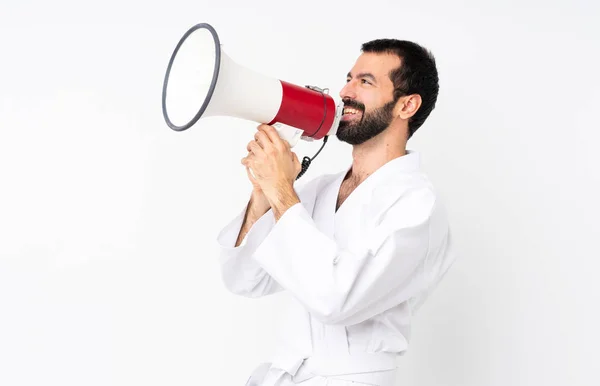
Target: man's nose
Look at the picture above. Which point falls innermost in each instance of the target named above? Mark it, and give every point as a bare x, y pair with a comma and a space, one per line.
348, 91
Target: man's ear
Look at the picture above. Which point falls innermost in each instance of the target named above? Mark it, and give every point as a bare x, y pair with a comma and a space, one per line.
407, 106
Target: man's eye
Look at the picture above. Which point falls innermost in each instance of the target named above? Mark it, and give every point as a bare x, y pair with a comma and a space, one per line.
365, 81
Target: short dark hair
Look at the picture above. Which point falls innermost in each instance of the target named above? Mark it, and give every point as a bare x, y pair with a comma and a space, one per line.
417, 74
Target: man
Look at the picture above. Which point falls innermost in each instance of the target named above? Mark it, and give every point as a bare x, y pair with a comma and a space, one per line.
358, 251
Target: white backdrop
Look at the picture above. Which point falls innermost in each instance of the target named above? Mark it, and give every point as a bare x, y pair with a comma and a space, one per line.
108, 219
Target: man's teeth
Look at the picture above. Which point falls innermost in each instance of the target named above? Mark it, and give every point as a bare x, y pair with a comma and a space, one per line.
349, 110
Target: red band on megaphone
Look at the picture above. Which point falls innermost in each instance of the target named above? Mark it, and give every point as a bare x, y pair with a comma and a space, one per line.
306, 109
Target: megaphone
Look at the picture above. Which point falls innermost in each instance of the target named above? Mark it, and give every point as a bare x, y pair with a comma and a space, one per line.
202, 81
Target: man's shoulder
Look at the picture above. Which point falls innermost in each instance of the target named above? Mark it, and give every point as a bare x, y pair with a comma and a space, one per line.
406, 195
403, 185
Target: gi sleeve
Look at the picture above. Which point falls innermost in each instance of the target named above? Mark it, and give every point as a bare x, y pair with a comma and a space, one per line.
388, 265
239, 272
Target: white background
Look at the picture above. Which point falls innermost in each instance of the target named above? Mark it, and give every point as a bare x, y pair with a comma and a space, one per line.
108, 219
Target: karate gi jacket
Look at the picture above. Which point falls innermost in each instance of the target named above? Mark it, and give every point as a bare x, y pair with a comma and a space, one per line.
356, 275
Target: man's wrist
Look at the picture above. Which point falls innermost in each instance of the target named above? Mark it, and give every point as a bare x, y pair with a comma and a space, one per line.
258, 203
282, 199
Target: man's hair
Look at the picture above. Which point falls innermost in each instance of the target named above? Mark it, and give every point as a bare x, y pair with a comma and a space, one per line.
417, 74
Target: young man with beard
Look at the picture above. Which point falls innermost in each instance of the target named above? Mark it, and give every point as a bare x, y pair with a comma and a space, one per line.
359, 251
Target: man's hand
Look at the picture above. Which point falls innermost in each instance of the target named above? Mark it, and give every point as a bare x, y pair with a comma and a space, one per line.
272, 167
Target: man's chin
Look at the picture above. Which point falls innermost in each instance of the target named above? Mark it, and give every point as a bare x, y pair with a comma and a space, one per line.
344, 136
346, 126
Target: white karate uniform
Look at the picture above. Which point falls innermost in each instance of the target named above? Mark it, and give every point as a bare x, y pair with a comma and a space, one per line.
356, 276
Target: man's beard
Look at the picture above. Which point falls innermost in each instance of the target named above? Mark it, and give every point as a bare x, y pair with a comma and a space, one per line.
370, 125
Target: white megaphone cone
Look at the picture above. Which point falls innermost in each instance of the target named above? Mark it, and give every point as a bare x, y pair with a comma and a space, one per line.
202, 81
243, 93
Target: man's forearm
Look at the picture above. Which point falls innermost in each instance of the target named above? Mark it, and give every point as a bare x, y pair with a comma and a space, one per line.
284, 199
257, 207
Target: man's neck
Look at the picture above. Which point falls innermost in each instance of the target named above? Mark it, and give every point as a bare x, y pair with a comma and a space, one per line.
373, 154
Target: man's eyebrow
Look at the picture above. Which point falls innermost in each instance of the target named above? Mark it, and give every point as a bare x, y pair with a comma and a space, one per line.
363, 75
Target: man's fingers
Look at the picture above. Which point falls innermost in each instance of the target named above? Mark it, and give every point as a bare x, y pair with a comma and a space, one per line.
250, 174
272, 134
248, 162
263, 140
254, 147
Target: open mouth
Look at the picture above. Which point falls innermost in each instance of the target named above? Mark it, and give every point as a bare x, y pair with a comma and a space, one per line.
351, 113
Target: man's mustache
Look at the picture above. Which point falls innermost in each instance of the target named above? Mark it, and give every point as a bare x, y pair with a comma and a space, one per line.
354, 104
